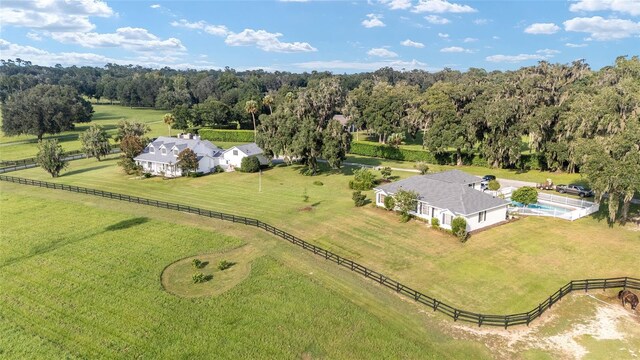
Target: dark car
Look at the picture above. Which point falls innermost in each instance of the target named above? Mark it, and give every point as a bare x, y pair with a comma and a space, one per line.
574, 190
488, 178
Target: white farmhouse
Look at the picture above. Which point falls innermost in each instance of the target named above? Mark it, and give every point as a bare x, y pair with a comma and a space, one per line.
232, 158
161, 155
447, 195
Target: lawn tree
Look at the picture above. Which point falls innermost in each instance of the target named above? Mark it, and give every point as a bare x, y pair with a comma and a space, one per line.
250, 164
169, 120
182, 117
44, 109
525, 195
51, 156
187, 161
422, 167
335, 144
363, 179
135, 129
405, 201
385, 172
95, 142
211, 112
130, 147
276, 133
251, 107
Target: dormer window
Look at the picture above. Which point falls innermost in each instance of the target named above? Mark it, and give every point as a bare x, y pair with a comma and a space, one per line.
164, 151
235, 152
152, 150
175, 152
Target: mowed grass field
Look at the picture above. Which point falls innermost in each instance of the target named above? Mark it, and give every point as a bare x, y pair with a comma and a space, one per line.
507, 269
80, 278
107, 116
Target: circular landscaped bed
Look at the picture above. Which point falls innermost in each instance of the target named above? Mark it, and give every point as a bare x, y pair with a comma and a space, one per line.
208, 274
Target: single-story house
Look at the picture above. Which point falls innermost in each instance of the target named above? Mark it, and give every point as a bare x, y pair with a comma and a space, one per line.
161, 155
232, 158
345, 122
447, 195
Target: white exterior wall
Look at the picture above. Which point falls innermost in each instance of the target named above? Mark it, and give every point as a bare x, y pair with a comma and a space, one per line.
235, 160
494, 216
156, 168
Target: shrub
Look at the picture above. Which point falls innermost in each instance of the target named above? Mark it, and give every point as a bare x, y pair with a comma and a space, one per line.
359, 198
196, 263
395, 139
318, 183
422, 167
459, 228
389, 202
525, 195
226, 135
386, 173
224, 265
217, 169
199, 278
363, 179
405, 201
250, 164
435, 223
129, 166
493, 185
147, 175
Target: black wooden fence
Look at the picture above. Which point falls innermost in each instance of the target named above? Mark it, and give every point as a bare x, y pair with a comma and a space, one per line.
13, 165
432, 303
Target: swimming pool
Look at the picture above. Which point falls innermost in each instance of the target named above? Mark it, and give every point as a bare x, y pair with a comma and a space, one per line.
543, 207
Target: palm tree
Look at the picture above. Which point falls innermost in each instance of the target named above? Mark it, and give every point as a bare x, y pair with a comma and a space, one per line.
268, 101
169, 119
251, 106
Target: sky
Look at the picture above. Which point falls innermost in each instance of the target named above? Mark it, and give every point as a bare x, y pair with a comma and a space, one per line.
338, 36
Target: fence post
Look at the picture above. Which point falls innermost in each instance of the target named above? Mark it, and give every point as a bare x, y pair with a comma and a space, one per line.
586, 287
624, 287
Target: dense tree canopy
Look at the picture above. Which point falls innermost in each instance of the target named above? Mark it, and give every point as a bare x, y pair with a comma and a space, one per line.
44, 109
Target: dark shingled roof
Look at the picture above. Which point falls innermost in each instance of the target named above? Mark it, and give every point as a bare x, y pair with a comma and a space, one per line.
447, 190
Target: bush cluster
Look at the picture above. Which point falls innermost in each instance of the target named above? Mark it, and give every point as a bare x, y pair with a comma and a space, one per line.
199, 278
224, 265
318, 183
359, 198
459, 228
250, 164
196, 263
363, 179
227, 135
389, 202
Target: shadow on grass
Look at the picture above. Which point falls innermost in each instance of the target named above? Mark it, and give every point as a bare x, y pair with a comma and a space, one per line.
80, 171
126, 224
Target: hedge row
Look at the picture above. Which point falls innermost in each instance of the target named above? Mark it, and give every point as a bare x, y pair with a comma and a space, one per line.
245, 136
533, 162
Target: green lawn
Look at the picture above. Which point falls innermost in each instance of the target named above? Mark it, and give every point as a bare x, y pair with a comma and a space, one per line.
24, 146
506, 269
80, 278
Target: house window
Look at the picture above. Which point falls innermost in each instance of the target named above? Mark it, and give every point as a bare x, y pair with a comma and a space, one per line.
482, 216
446, 219
152, 150
175, 152
381, 198
235, 152
164, 151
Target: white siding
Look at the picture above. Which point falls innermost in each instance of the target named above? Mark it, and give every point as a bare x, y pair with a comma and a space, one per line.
233, 158
493, 216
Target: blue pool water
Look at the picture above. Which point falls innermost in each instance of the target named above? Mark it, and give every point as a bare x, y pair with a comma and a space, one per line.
544, 207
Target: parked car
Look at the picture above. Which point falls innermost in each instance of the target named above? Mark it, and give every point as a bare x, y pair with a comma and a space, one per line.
574, 190
485, 181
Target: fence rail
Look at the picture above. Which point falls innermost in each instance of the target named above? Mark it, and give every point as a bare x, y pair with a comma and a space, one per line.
456, 314
14, 165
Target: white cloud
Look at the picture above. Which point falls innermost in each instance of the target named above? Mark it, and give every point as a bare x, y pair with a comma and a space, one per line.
435, 19
155, 6
571, 45
469, 39
515, 58
373, 20
414, 44
455, 49
340, 65
495, 37
70, 15
481, 21
266, 41
631, 7
34, 36
443, 35
548, 52
603, 29
382, 52
441, 6
397, 4
542, 28
217, 30
135, 39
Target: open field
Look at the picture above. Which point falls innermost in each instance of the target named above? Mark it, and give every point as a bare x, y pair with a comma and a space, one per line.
107, 116
506, 269
93, 291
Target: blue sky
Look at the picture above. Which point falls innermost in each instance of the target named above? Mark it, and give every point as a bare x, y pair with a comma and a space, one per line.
340, 36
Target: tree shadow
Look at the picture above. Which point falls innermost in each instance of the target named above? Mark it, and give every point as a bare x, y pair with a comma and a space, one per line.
126, 224
80, 171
